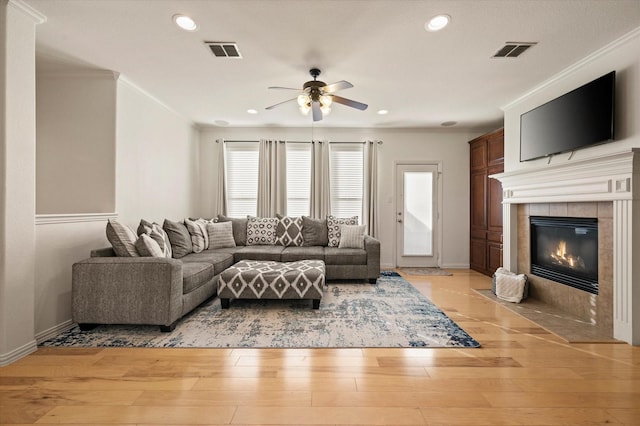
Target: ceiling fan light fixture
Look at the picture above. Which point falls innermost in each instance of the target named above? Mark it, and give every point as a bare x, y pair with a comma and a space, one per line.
437, 23
326, 100
185, 22
303, 100
326, 109
304, 109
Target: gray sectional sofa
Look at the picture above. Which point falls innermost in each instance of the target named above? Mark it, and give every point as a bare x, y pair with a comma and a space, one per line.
110, 289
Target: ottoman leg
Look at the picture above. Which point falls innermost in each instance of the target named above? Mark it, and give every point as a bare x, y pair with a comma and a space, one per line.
316, 303
224, 303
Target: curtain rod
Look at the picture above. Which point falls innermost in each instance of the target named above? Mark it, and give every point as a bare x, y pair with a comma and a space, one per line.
336, 142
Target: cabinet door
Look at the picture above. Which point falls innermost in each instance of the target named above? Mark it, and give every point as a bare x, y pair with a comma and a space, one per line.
495, 148
478, 255
494, 203
478, 154
479, 200
494, 256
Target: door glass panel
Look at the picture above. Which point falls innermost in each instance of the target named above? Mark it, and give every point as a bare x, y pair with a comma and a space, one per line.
418, 213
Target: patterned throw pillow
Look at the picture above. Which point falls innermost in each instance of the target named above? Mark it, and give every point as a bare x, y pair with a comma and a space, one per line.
122, 239
220, 235
261, 231
157, 234
147, 247
289, 231
333, 226
352, 236
199, 235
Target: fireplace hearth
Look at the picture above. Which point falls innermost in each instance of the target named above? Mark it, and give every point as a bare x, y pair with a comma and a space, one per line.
565, 250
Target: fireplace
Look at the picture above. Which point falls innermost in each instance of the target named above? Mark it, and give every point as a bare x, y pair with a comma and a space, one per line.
565, 250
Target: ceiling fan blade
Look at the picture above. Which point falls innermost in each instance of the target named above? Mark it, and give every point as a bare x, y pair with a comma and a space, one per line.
282, 88
334, 87
349, 102
280, 103
317, 112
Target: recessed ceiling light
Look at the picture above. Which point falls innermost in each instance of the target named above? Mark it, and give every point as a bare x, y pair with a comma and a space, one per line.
185, 22
252, 111
383, 112
437, 23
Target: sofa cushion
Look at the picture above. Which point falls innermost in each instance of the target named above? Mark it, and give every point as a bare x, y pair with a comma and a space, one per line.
220, 235
314, 231
179, 237
239, 228
122, 239
194, 275
294, 254
344, 256
333, 228
289, 231
219, 260
261, 231
259, 253
147, 247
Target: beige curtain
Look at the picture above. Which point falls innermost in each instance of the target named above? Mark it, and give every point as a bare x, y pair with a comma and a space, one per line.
320, 188
221, 201
272, 178
370, 195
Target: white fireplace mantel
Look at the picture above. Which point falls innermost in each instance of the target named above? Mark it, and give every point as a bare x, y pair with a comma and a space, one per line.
614, 177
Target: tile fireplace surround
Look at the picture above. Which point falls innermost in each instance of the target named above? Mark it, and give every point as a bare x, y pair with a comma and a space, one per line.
607, 187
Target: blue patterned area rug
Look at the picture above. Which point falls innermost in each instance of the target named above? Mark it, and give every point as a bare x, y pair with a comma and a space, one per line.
389, 314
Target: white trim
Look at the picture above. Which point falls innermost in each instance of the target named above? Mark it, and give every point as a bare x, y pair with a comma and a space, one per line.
573, 68
54, 331
16, 354
23, 7
46, 219
455, 266
80, 73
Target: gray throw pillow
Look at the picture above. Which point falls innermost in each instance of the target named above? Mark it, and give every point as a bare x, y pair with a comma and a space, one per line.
239, 228
179, 237
220, 235
333, 226
351, 236
122, 239
314, 232
289, 231
147, 247
157, 234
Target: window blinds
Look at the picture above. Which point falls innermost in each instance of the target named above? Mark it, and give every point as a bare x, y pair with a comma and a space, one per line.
241, 167
346, 174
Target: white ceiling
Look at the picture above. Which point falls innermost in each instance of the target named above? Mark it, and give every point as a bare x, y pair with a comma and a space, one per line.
381, 47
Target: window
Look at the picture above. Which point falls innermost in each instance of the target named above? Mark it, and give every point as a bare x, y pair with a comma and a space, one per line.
241, 167
298, 178
346, 175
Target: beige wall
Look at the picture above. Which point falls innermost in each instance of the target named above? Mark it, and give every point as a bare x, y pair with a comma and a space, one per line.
75, 152
450, 147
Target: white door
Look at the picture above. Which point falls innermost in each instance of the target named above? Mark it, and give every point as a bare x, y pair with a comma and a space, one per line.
416, 215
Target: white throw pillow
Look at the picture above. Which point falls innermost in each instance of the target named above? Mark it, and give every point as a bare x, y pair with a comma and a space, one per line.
198, 232
352, 236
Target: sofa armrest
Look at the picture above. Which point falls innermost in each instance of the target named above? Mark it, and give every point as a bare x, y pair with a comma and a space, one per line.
127, 290
372, 247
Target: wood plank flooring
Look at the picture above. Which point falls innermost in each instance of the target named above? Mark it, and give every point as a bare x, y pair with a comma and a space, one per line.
522, 375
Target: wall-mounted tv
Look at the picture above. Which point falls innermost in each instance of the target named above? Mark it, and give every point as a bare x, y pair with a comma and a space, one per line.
580, 118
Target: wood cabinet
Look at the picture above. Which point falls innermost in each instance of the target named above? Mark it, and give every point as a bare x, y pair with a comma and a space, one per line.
486, 158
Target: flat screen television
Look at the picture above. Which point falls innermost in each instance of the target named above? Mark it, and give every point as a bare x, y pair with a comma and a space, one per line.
580, 118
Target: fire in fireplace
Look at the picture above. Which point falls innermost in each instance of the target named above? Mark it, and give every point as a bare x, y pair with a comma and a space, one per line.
565, 250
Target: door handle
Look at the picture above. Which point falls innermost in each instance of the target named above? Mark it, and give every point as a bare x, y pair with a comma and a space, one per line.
399, 220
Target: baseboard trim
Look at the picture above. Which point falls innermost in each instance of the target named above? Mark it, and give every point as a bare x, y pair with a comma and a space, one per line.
455, 266
16, 354
387, 266
54, 331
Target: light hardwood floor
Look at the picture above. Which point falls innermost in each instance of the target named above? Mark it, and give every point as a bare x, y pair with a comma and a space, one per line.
522, 375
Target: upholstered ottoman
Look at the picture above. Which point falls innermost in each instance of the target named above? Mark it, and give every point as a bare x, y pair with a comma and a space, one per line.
256, 279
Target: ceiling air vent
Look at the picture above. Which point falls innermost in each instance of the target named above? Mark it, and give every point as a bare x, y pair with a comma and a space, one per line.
224, 49
512, 49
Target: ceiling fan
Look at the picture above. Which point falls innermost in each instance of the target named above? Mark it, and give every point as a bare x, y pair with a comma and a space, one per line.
317, 96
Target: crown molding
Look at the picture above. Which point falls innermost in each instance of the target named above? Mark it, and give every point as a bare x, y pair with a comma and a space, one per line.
37, 17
